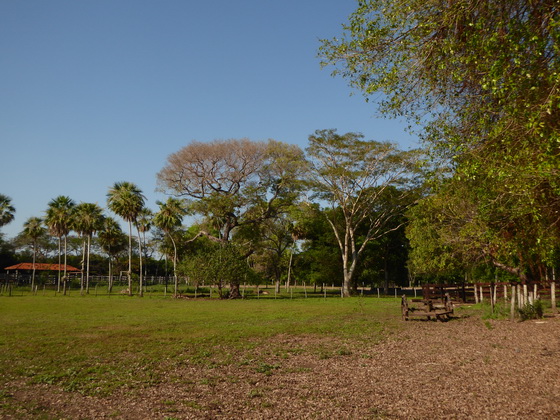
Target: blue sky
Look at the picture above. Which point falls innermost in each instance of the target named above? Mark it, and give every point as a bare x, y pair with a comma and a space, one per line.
98, 91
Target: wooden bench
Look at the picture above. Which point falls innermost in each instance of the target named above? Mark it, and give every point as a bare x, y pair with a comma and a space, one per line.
439, 310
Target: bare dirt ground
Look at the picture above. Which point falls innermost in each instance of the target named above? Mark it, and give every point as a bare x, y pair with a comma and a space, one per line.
462, 369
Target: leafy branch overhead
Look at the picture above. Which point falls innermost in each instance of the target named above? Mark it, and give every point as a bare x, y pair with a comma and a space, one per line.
479, 80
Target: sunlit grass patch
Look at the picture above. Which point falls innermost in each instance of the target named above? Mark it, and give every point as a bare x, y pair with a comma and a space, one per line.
96, 345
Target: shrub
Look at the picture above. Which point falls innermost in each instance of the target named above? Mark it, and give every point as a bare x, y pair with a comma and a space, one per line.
531, 311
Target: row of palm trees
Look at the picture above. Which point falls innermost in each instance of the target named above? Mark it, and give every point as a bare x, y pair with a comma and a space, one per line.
125, 200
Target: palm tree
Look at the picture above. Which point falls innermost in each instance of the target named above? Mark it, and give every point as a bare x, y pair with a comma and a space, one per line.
125, 199
112, 241
144, 224
6, 210
59, 221
88, 219
33, 229
168, 218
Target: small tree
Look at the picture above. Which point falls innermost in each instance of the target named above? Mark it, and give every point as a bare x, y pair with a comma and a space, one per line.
59, 219
33, 229
218, 264
88, 219
168, 219
113, 242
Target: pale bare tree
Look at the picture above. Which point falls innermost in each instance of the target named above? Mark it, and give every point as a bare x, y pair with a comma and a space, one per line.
234, 183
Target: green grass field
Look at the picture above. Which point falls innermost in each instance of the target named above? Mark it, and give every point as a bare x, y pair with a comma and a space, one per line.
95, 345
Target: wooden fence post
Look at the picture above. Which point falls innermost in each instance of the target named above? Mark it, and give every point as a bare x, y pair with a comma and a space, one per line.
475, 293
553, 292
512, 307
535, 292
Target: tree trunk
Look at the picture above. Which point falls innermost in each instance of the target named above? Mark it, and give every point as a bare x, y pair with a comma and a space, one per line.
34, 259
82, 266
386, 277
290, 269
175, 279
110, 286
87, 263
64, 278
129, 273
234, 292
141, 277
59, 262
346, 284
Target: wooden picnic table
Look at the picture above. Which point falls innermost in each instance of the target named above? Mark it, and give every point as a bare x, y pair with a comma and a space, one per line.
440, 310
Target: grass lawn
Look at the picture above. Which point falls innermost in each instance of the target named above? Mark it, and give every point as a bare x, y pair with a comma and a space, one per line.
96, 345
74, 357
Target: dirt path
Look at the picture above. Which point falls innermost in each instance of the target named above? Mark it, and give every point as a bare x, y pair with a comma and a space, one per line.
462, 369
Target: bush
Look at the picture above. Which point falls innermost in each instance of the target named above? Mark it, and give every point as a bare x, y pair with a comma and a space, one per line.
531, 311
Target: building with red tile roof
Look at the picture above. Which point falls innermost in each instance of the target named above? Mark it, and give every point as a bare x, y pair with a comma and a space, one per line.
42, 267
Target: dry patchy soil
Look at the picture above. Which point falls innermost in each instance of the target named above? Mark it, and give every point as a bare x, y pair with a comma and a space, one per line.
463, 369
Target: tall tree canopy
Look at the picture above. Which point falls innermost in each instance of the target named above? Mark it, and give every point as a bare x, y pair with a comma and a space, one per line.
87, 220
169, 219
481, 79
126, 200
33, 229
59, 219
6, 210
234, 183
353, 176
112, 241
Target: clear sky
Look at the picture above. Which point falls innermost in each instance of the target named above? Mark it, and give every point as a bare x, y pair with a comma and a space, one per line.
98, 91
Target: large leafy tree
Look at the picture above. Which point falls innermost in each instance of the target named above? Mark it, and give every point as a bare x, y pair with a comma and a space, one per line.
126, 200
88, 219
59, 220
481, 79
169, 219
462, 225
7, 210
353, 175
234, 184
34, 230
315, 262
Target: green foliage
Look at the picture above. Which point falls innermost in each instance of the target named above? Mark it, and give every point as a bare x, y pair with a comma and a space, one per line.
59, 215
126, 200
531, 311
481, 81
366, 184
218, 264
7, 210
235, 183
